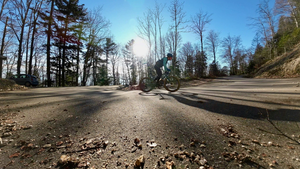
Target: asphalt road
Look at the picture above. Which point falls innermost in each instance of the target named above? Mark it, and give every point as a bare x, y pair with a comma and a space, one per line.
256, 117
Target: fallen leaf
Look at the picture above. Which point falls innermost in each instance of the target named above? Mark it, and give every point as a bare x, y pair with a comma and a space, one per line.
255, 141
136, 141
14, 155
140, 161
170, 164
26, 127
59, 143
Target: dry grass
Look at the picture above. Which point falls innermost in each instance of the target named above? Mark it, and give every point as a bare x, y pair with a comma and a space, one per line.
285, 66
10, 85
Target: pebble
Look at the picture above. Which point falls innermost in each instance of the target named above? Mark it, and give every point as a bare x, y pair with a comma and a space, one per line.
27, 127
10, 125
47, 146
1, 143
7, 134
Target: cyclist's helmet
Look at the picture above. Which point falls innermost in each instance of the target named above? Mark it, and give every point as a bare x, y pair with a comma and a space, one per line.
169, 55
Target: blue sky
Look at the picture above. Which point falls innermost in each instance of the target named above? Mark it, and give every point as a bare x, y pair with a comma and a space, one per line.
229, 17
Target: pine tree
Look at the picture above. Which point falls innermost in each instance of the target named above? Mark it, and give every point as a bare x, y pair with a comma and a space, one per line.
70, 14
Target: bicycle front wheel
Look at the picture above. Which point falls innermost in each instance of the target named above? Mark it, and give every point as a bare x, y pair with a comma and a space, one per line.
172, 84
146, 84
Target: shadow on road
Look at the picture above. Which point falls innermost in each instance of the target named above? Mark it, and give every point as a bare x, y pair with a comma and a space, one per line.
235, 109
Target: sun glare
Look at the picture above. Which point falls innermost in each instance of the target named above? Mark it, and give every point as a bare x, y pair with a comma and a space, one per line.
140, 47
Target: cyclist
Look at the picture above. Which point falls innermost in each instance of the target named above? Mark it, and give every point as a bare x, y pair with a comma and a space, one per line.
162, 63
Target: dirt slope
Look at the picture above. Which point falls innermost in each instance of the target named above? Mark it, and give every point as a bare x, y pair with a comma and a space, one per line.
285, 66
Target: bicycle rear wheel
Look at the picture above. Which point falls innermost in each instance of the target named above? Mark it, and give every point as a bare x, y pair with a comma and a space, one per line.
172, 84
146, 84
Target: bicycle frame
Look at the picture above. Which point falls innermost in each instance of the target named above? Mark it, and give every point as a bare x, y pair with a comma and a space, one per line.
166, 77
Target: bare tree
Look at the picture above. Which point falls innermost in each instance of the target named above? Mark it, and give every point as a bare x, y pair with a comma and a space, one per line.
10, 52
178, 26
3, 6
158, 15
2, 47
288, 7
199, 22
186, 57
266, 13
27, 42
49, 33
145, 30
35, 13
130, 62
125, 79
212, 43
265, 25
19, 14
170, 41
231, 45
265, 22
150, 29
157, 23
115, 57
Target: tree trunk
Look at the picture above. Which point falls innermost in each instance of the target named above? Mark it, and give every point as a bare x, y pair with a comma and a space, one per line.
2, 47
27, 46
48, 44
64, 53
59, 67
19, 63
85, 66
77, 65
114, 76
32, 48
94, 67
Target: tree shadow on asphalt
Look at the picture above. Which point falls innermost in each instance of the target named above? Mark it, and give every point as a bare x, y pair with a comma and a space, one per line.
233, 109
243, 111
179, 124
72, 115
186, 128
30, 96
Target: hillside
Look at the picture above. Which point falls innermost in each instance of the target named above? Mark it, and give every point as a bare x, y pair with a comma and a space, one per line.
284, 66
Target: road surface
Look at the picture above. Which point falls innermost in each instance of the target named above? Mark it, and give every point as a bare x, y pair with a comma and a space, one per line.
230, 122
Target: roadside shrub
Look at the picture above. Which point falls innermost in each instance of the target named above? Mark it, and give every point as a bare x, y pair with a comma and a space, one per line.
6, 84
288, 40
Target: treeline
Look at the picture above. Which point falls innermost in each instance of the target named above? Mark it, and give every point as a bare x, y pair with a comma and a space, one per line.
277, 30
59, 41
64, 44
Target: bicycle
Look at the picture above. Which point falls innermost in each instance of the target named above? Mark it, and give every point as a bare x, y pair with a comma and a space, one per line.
170, 83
